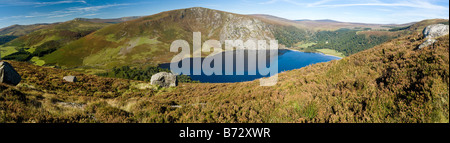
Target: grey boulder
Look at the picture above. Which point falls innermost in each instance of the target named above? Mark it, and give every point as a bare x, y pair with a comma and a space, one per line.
428, 42
70, 78
435, 30
164, 79
8, 75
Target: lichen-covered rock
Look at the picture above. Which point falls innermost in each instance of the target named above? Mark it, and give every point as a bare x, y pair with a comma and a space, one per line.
70, 78
8, 75
428, 42
435, 30
164, 79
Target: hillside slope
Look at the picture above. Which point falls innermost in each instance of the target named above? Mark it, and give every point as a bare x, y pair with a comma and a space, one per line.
147, 40
392, 82
20, 30
12, 32
48, 39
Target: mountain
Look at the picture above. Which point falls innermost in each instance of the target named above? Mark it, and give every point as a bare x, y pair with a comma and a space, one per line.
146, 40
20, 30
321, 20
48, 39
41, 39
11, 32
327, 24
390, 83
112, 21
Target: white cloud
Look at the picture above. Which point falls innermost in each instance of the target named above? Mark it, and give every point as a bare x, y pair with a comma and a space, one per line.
288, 1
92, 14
38, 4
413, 3
424, 4
62, 15
59, 2
269, 2
95, 8
318, 3
87, 11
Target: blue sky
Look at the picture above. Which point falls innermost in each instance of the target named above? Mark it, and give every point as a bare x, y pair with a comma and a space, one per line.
365, 11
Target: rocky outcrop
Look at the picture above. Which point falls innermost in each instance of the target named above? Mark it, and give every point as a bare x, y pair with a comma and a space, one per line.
245, 28
70, 78
164, 79
227, 26
428, 42
8, 75
433, 31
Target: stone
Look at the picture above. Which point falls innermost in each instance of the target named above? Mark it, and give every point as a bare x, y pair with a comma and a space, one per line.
164, 79
435, 30
70, 78
428, 42
8, 74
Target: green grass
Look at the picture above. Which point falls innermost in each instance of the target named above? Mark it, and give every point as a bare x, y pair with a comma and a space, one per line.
103, 57
37, 61
304, 45
111, 38
31, 50
5, 51
331, 52
143, 40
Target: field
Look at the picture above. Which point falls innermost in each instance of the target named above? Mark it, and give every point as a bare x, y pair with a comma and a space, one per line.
331, 52
7, 50
304, 45
37, 61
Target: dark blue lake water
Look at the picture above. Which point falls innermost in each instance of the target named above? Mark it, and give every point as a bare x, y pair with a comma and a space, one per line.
287, 60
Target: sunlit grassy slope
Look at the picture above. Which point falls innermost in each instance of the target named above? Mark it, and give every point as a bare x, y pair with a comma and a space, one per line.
392, 82
331, 52
50, 38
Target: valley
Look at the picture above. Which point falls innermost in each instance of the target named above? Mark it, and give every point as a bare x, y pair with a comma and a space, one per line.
145, 41
378, 75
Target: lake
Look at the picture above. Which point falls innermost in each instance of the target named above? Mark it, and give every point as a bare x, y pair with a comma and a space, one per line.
287, 60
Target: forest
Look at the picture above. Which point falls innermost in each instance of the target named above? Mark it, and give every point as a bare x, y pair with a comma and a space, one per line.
6, 39
347, 41
289, 35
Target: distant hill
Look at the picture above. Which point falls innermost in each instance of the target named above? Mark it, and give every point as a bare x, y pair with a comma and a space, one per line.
390, 83
48, 39
327, 24
11, 32
41, 39
113, 21
20, 30
320, 20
